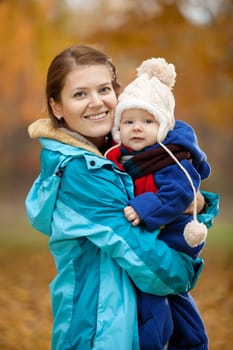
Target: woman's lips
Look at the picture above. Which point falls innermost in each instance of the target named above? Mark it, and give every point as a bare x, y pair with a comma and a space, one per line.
96, 116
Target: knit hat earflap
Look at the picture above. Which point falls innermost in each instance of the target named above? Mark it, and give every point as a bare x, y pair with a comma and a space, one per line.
151, 91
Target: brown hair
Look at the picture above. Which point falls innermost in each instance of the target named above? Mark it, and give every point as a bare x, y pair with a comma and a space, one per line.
64, 63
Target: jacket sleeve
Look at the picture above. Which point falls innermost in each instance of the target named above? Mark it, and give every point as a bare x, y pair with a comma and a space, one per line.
172, 199
97, 198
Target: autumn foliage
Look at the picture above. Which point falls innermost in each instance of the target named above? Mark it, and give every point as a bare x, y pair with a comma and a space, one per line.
32, 32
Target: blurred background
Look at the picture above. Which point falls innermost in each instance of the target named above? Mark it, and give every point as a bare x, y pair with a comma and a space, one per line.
195, 35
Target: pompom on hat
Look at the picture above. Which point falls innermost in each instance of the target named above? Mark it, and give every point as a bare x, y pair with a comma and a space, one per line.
151, 91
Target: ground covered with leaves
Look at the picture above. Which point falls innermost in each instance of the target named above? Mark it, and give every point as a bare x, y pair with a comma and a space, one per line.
26, 320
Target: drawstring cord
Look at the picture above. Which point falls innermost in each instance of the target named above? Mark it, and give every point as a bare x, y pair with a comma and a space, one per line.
188, 177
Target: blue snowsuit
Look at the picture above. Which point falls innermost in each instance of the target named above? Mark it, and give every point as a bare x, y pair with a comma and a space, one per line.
176, 318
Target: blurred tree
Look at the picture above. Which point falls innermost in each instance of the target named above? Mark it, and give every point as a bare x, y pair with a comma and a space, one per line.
30, 33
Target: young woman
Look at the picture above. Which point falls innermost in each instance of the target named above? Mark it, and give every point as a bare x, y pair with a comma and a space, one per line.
78, 201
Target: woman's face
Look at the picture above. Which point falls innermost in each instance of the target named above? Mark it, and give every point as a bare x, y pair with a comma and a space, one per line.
88, 101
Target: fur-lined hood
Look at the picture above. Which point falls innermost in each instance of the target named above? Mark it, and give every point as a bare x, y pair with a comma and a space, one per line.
43, 128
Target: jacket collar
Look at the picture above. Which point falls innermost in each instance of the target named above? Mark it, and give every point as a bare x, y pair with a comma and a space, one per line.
44, 128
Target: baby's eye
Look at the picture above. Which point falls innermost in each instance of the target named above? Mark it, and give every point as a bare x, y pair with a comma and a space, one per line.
105, 89
148, 121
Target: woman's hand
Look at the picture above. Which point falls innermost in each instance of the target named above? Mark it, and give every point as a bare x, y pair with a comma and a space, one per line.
200, 204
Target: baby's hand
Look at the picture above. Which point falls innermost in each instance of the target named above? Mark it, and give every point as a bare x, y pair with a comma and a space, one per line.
131, 215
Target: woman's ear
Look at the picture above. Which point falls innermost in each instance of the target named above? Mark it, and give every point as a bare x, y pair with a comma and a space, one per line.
56, 107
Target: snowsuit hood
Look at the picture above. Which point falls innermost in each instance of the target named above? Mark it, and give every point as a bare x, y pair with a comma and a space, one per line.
183, 134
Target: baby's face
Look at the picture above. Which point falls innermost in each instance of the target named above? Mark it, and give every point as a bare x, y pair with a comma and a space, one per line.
138, 129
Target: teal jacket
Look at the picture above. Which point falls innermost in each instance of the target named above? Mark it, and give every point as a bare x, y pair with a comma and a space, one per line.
78, 201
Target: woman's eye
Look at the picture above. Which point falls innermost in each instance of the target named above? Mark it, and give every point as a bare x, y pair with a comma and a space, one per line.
79, 94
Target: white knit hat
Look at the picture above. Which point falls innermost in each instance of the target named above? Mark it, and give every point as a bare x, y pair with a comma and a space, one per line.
151, 91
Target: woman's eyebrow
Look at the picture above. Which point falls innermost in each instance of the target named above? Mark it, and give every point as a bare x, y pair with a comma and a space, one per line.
87, 87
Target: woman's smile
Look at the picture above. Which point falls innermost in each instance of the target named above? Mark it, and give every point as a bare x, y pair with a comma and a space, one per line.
99, 116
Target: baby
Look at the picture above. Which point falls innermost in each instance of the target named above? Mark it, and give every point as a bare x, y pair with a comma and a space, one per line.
167, 166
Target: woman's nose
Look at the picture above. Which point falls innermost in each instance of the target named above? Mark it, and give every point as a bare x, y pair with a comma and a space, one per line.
95, 100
